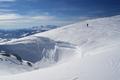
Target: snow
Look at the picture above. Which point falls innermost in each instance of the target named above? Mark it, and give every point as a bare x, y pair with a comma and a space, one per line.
25, 34
3, 40
85, 53
11, 65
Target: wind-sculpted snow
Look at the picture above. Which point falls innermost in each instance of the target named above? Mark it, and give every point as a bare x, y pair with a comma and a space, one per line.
41, 51
11, 64
62, 52
33, 49
29, 49
78, 52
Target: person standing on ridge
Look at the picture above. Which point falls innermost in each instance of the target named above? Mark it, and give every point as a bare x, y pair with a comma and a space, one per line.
87, 25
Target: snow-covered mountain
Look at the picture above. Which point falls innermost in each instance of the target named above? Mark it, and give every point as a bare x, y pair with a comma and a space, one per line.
12, 64
6, 35
73, 52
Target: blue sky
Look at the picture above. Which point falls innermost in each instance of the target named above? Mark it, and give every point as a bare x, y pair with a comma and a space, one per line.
27, 13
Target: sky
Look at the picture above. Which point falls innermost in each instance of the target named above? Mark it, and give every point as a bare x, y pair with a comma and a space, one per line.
27, 13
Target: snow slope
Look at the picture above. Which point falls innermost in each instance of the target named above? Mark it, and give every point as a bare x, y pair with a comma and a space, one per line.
96, 51
42, 52
10, 64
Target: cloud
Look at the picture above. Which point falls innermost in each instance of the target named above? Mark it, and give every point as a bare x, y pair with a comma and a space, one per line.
43, 17
6, 17
14, 20
13, 16
7, 0
6, 4
6, 11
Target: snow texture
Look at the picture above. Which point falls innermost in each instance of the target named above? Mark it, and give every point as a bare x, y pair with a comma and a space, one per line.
82, 52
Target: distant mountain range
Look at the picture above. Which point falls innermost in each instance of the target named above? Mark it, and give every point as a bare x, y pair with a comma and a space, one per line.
6, 35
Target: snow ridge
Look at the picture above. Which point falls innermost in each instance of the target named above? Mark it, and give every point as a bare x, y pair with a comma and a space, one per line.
73, 52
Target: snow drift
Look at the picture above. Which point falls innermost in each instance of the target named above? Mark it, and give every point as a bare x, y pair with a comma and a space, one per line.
42, 52
94, 52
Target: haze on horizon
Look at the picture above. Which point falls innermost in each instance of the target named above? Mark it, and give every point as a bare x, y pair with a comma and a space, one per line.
27, 13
